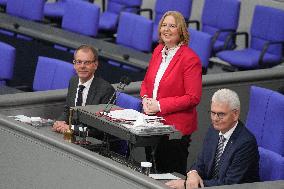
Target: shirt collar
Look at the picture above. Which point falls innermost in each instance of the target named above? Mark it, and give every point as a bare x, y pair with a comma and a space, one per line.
229, 133
87, 84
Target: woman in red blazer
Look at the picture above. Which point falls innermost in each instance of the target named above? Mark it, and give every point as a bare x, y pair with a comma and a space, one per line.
172, 89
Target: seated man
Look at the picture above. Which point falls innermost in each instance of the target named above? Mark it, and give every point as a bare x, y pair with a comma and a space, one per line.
85, 88
229, 154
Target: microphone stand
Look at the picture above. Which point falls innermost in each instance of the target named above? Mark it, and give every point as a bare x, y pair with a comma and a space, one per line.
122, 84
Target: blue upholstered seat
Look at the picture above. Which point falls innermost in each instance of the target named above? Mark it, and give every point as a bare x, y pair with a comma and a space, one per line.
52, 74
265, 118
129, 102
3, 2
220, 18
134, 31
7, 61
200, 42
109, 18
54, 9
31, 9
266, 41
258, 103
81, 17
271, 165
162, 6
126, 101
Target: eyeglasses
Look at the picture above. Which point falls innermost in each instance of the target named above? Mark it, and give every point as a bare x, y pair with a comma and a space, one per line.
220, 115
80, 62
171, 26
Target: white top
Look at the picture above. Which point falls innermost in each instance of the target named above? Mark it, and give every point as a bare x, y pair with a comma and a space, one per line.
163, 66
85, 91
227, 135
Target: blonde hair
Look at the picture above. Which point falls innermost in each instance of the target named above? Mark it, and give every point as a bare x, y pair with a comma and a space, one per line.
181, 26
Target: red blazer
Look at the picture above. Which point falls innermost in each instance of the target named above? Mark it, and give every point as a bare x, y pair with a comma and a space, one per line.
179, 90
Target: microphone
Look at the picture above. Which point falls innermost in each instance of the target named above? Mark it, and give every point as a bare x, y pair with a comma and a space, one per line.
124, 81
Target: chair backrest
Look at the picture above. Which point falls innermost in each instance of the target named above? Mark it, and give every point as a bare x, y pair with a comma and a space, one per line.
273, 133
29, 9
7, 61
267, 25
162, 6
3, 2
129, 102
135, 31
55, 9
81, 17
52, 74
200, 42
116, 6
271, 165
220, 14
265, 118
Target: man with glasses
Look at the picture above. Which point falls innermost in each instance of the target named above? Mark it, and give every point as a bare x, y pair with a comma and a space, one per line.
229, 154
85, 88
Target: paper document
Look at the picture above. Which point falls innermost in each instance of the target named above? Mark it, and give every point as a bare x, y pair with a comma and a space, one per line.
129, 114
164, 176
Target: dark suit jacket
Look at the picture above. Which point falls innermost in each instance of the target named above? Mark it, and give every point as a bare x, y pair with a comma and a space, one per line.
239, 161
99, 93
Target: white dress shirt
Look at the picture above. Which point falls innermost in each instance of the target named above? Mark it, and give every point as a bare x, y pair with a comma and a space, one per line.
163, 66
227, 135
85, 91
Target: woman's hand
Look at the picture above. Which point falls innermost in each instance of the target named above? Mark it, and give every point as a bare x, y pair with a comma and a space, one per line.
150, 106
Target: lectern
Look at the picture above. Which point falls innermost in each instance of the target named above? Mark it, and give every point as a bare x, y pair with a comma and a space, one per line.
92, 116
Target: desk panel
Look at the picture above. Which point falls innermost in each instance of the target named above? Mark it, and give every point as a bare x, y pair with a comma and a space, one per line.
8, 90
40, 158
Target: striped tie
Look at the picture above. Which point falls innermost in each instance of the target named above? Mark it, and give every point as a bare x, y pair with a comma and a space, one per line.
218, 155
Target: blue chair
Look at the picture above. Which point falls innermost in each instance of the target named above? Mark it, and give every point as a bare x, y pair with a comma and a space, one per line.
220, 19
265, 119
258, 102
55, 10
7, 61
52, 74
271, 165
127, 101
273, 133
31, 9
134, 31
81, 17
200, 42
162, 6
109, 18
3, 3
266, 42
